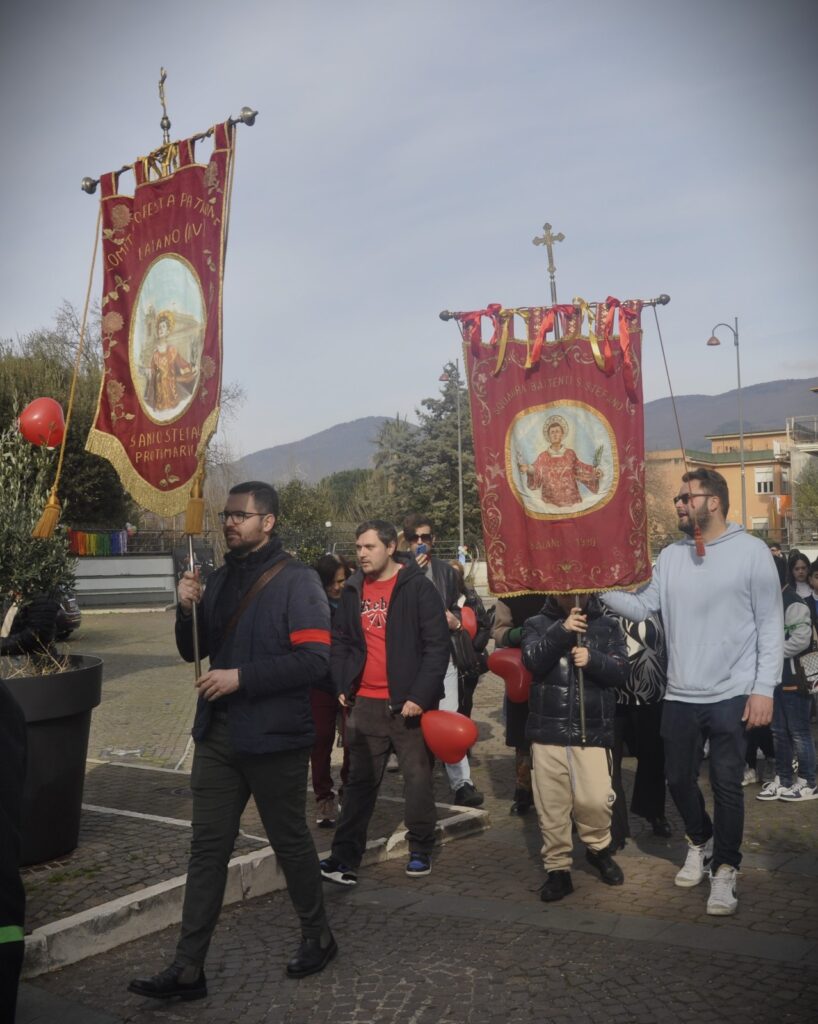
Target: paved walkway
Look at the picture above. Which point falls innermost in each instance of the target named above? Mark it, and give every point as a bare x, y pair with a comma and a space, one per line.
471, 943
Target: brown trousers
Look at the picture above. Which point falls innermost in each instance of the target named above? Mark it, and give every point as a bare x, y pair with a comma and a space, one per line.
571, 782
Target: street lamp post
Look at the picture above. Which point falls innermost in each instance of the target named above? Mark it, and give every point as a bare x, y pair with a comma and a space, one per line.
446, 378
713, 340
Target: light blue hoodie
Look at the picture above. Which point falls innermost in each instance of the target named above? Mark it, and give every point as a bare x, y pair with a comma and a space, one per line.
723, 617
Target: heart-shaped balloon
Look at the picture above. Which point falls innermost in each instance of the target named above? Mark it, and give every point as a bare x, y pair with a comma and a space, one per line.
42, 422
469, 620
507, 663
448, 734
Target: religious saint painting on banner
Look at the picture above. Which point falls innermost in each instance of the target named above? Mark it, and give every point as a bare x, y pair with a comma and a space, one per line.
166, 339
561, 459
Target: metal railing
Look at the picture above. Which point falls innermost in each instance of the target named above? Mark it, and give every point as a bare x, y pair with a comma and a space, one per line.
802, 429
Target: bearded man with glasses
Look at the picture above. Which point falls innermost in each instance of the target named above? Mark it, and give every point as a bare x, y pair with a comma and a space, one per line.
263, 622
723, 617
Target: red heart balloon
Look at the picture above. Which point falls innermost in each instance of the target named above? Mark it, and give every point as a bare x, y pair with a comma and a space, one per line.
469, 620
42, 422
448, 734
507, 663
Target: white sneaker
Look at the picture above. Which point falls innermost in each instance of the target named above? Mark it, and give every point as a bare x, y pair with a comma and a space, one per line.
392, 763
722, 900
770, 790
696, 864
798, 792
750, 777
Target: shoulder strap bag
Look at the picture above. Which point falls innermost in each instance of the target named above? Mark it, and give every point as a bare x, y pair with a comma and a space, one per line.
256, 589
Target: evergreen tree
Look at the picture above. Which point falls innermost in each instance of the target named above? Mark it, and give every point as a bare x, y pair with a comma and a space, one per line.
417, 469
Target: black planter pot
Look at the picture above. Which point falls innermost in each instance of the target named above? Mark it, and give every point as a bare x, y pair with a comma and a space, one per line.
57, 710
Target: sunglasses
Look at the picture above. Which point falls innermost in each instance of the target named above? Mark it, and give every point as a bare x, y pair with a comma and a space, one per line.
685, 499
425, 538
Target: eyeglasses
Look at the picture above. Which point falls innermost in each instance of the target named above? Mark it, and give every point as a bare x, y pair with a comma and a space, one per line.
685, 499
239, 517
425, 538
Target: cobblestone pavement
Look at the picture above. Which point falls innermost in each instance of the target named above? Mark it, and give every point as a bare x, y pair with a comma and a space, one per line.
148, 697
471, 943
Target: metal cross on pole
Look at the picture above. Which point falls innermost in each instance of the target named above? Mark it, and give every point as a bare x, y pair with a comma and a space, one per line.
548, 238
164, 124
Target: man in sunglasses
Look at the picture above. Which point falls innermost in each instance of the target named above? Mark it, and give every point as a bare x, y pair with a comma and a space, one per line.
263, 622
419, 534
724, 625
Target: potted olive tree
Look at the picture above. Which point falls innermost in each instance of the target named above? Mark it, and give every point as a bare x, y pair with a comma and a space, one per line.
56, 691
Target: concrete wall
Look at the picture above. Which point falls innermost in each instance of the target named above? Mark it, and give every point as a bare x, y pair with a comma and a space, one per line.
125, 580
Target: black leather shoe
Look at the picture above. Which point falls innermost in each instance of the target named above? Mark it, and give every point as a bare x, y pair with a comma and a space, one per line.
311, 957
609, 871
176, 981
661, 827
468, 796
523, 801
557, 885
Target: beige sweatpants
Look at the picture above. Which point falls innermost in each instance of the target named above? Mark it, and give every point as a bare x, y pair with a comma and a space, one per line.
571, 781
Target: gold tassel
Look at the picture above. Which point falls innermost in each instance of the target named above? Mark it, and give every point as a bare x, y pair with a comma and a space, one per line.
194, 513
49, 519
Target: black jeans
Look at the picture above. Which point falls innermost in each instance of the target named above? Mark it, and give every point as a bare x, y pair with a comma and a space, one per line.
371, 731
648, 799
222, 782
685, 727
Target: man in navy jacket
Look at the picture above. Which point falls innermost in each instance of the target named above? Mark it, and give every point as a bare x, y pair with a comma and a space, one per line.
266, 634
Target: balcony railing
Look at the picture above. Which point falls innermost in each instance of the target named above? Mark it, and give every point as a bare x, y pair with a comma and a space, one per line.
802, 429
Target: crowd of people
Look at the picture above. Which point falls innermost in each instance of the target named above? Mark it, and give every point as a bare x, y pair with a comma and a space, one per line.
703, 661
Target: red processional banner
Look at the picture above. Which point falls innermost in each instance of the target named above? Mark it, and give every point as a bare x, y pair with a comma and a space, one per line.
559, 446
163, 253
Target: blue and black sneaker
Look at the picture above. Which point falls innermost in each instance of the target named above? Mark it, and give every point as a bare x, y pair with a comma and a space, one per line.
332, 870
419, 864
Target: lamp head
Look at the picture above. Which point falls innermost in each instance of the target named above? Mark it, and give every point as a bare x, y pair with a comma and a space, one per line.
713, 340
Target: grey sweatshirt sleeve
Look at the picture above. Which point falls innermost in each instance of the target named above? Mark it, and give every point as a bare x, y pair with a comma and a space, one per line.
637, 606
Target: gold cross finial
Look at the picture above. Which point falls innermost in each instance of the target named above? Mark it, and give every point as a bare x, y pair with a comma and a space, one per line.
548, 239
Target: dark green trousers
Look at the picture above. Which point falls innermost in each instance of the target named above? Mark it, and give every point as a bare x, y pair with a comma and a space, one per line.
222, 783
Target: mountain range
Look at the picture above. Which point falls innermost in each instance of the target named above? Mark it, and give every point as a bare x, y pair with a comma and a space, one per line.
352, 445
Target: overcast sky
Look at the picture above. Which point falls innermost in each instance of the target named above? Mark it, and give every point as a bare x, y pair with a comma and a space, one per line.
404, 157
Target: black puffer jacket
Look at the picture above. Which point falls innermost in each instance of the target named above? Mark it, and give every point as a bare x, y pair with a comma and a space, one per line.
554, 701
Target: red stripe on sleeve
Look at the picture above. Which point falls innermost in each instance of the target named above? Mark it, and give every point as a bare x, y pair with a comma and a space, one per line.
309, 636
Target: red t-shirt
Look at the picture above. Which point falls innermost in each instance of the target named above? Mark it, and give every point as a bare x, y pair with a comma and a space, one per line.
375, 600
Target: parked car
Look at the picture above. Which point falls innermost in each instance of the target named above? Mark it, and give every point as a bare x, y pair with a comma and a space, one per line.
69, 616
